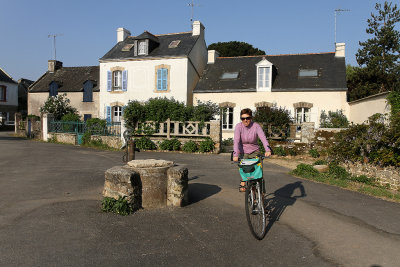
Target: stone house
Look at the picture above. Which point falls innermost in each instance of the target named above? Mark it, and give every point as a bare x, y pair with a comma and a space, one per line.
147, 66
80, 84
23, 85
8, 98
304, 84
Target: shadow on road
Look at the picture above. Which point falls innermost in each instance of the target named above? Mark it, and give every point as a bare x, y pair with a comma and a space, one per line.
198, 192
276, 203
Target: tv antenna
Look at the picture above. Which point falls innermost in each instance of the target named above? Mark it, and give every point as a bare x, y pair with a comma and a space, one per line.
54, 42
192, 5
338, 11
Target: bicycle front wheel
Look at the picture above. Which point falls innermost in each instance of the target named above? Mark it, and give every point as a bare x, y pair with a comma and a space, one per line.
255, 210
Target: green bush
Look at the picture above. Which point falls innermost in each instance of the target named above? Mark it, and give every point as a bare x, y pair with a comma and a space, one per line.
292, 152
364, 179
145, 143
96, 125
207, 145
120, 206
280, 151
314, 153
86, 138
337, 172
320, 162
334, 119
190, 147
71, 117
57, 105
171, 144
227, 142
305, 170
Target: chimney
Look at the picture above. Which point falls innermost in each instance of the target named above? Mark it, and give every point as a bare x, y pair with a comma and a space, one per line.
198, 28
122, 33
340, 49
54, 65
212, 55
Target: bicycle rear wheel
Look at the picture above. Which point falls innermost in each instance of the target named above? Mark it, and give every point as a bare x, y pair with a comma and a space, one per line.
255, 210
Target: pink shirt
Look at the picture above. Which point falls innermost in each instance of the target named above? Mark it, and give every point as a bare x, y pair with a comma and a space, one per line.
245, 139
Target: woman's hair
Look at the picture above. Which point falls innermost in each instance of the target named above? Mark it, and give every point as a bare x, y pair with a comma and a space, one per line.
246, 111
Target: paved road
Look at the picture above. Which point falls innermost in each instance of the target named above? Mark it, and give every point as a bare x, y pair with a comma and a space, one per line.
50, 216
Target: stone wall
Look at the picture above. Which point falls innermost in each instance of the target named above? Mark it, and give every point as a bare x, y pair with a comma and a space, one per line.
65, 138
386, 176
111, 141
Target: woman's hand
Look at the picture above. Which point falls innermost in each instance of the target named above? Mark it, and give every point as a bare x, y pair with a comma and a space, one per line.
235, 158
267, 154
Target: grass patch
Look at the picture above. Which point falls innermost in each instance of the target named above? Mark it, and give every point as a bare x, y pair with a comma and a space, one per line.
338, 176
119, 206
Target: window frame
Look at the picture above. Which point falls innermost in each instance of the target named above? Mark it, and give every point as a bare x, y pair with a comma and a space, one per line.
116, 113
305, 114
227, 118
142, 51
264, 80
118, 79
3, 93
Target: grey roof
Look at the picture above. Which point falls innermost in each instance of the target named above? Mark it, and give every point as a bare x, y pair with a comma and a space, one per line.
183, 49
331, 73
4, 77
70, 79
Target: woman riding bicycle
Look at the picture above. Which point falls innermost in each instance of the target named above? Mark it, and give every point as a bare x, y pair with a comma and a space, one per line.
245, 138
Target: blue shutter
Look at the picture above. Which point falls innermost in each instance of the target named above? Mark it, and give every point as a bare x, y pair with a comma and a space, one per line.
159, 79
109, 81
88, 91
124, 80
165, 79
123, 109
108, 114
53, 89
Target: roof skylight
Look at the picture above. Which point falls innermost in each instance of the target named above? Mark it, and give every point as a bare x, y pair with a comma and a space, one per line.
308, 73
174, 44
127, 47
229, 75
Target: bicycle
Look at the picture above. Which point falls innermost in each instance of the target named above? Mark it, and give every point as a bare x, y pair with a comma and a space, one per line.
251, 173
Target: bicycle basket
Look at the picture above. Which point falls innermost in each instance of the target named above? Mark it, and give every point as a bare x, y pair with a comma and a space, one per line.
250, 169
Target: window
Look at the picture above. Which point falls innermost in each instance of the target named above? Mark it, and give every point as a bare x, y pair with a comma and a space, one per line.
142, 48
174, 44
87, 117
162, 79
117, 80
308, 73
53, 90
227, 118
88, 91
127, 47
263, 77
3, 93
117, 113
302, 115
229, 75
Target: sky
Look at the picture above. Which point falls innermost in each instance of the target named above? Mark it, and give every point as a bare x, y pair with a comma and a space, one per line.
87, 28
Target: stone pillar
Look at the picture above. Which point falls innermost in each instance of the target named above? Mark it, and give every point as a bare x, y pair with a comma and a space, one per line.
17, 119
307, 132
47, 118
177, 192
216, 134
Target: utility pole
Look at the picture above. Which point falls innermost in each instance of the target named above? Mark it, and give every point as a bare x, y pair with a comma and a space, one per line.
338, 10
54, 43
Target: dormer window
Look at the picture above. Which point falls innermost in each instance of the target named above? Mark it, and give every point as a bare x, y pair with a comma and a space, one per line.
142, 48
264, 75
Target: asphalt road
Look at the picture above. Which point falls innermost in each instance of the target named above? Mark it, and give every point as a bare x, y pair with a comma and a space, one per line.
50, 216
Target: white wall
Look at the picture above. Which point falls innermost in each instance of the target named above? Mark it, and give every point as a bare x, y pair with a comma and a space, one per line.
142, 81
12, 94
361, 109
328, 101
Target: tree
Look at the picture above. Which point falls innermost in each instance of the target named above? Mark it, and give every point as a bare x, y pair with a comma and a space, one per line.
380, 54
57, 105
235, 48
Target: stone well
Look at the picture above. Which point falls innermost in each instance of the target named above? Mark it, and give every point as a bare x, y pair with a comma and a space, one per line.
148, 183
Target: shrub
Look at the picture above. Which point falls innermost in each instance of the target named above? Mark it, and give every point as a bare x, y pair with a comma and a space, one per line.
314, 153
292, 152
57, 105
364, 179
120, 206
334, 119
207, 145
86, 138
320, 162
190, 147
96, 125
172, 144
305, 170
145, 143
227, 142
280, 151
337, 172
71, 117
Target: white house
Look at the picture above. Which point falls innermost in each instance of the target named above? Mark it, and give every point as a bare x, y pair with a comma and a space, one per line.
146, 66
304, 84
8, 98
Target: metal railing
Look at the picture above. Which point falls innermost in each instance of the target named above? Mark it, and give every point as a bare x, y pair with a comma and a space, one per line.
74, 127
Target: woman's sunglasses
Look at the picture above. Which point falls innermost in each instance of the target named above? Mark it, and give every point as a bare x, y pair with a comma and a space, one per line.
245, 118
